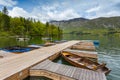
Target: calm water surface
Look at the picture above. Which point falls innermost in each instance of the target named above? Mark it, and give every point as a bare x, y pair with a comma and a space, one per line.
109, 50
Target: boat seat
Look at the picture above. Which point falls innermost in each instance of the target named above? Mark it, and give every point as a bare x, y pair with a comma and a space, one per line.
94, 67
81, 59
67, 55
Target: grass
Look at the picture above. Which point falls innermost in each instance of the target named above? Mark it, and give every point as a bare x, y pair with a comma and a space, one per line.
99, 31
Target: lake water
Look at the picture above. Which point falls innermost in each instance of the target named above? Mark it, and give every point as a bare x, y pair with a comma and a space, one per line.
108, 50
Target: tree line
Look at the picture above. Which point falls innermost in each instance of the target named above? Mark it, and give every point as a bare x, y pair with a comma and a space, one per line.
21, 26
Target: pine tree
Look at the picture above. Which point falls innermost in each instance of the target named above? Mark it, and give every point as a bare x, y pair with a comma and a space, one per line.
5, 19
47, 29
5, 11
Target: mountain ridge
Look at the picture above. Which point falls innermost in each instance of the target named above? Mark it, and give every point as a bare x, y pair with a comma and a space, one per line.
77, 24
68, 20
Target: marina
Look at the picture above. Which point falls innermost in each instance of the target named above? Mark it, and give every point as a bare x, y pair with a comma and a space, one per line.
22, 62
59, 40
22, 65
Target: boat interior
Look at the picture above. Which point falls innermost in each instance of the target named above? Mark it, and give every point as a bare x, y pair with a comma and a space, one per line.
85, 62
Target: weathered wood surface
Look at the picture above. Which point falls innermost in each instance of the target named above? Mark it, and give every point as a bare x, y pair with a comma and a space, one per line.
67, 71
11, 66
3, 53
85, 43
90, 54
6, 54
83, 47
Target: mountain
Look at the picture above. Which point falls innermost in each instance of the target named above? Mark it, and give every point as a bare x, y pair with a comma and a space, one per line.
82, 25
69, 23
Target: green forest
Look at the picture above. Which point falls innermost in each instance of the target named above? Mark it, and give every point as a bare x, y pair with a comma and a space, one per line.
20, 26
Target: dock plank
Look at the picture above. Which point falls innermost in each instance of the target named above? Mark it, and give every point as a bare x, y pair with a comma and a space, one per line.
84, 47
69, 71
85, 43
91, 54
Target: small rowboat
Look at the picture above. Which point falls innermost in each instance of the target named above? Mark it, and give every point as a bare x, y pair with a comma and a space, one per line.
82, 62
49, 44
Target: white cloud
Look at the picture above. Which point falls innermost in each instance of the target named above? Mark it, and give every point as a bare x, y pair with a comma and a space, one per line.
104, 14
67, 14
94, 9
109, 14
103, 10
45, 13
9, 3
63, 15
55, 12
48, 7
17, 12
65, 10
48, 15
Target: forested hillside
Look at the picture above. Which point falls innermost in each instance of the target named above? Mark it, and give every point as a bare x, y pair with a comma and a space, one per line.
103, 25
19, 26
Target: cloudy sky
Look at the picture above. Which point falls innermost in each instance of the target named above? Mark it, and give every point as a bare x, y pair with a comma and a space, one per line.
46, 10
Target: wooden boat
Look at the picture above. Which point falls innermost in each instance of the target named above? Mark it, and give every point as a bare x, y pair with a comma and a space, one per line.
18, 49
48, 44
87, 54
82, 62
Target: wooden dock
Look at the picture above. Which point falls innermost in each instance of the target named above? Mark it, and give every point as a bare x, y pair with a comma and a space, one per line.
85, 43
91, 54
84, 46
57, 71
17, 67
36, 63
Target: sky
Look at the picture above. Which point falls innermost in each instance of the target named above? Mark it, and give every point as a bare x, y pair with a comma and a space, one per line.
46, 10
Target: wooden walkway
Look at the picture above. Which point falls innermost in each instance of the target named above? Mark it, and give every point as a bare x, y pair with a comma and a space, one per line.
5, 54
85, 43
91, 54
83, 47
11, 66
64, 72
